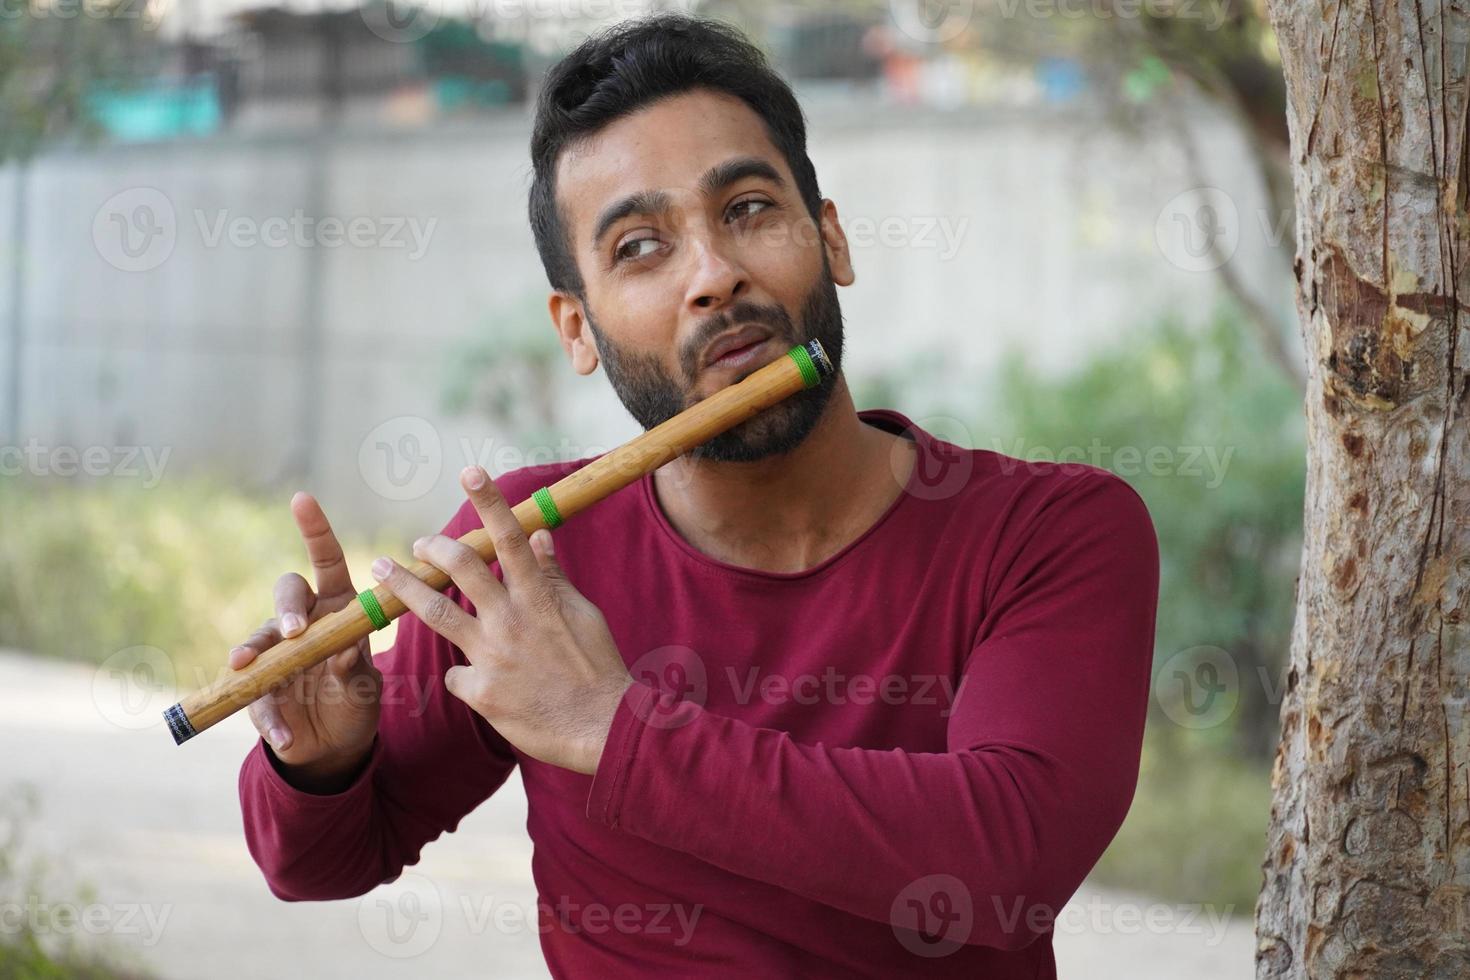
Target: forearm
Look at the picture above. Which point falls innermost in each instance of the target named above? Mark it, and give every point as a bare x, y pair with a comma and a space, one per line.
323, 835
853, 828
1030, 774
313, 845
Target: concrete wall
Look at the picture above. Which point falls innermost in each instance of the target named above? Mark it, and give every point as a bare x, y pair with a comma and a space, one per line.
323, 367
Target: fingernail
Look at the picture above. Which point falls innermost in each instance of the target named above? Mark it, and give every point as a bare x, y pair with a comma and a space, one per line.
473, 477
235, 650
382, 567
544, 536
278, 738
292, 623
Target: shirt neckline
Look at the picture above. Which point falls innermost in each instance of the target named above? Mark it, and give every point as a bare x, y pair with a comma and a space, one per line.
887, 419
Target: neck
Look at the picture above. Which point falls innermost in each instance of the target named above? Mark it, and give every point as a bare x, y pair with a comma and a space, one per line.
789, 512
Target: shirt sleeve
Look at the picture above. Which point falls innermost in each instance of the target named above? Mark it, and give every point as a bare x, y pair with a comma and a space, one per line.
1042, 756
432, 761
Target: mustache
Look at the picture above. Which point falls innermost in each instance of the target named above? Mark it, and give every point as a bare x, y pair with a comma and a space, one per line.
743, 312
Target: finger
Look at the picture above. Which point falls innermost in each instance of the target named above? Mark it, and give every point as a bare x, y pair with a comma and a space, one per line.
267, 721
518, 563
434, 609
545, 550
322, 548
282, 734
464, 567
455, 680
353, 658
267, 636
464, 683
239, 656
294, 600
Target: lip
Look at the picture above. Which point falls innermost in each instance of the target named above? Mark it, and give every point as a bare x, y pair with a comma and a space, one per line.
735, 340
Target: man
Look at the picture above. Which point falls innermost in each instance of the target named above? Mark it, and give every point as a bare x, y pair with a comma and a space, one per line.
853, 700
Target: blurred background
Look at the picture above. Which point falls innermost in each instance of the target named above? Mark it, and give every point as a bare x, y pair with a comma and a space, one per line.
253, 249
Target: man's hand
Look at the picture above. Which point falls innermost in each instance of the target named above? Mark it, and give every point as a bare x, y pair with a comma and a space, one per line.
321, 721
544, 669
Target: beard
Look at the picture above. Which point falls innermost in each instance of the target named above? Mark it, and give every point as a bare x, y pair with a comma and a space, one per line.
653, 397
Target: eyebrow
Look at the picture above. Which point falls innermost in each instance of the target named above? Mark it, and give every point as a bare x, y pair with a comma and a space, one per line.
722, 175
717, 178
641, 202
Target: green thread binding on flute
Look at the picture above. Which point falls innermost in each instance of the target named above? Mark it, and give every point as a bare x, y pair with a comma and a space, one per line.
809, 373
370, 606
548, 507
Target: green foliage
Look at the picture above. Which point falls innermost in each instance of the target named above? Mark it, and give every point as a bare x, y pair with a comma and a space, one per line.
53, 56
28, 952
187, 566
1225, 488
1229, 544
506, 374
1196, 833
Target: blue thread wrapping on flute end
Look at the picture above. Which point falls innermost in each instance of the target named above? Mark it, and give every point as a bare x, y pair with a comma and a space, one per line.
369, 603
179, 725
819, 357
549, 512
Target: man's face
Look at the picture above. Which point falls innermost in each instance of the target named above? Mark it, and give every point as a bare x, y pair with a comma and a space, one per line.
686, 224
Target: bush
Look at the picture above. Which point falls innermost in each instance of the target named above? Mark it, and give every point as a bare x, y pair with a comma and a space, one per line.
1225, 493
186, 567
27, 953
1229, 528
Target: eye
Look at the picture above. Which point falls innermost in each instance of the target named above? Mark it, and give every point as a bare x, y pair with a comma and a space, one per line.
748, 207
636, 248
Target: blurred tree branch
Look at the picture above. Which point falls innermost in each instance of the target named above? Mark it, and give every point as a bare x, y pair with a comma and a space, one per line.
53, 55
1223, 50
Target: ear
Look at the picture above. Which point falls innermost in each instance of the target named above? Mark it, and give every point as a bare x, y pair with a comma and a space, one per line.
571, 328
834, 240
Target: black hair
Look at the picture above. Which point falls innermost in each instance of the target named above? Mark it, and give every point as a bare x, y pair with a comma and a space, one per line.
630, 66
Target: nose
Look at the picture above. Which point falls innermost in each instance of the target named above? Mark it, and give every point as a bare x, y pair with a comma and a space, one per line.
717, 281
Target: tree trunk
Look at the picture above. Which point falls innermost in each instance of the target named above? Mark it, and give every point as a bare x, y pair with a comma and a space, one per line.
1367, 867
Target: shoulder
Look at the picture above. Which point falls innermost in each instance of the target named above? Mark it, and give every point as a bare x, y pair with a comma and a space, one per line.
998, 486
1075, 513
1053, 489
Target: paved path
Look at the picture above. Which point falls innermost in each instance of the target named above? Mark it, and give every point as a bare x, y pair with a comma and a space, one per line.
156, 829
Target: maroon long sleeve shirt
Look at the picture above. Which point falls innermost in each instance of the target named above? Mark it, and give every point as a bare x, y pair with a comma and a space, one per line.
902, 761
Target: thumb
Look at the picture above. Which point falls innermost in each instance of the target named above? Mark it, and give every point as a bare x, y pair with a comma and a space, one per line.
457, 681
545, 550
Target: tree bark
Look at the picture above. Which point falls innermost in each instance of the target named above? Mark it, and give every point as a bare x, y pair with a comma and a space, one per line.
1367, 866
